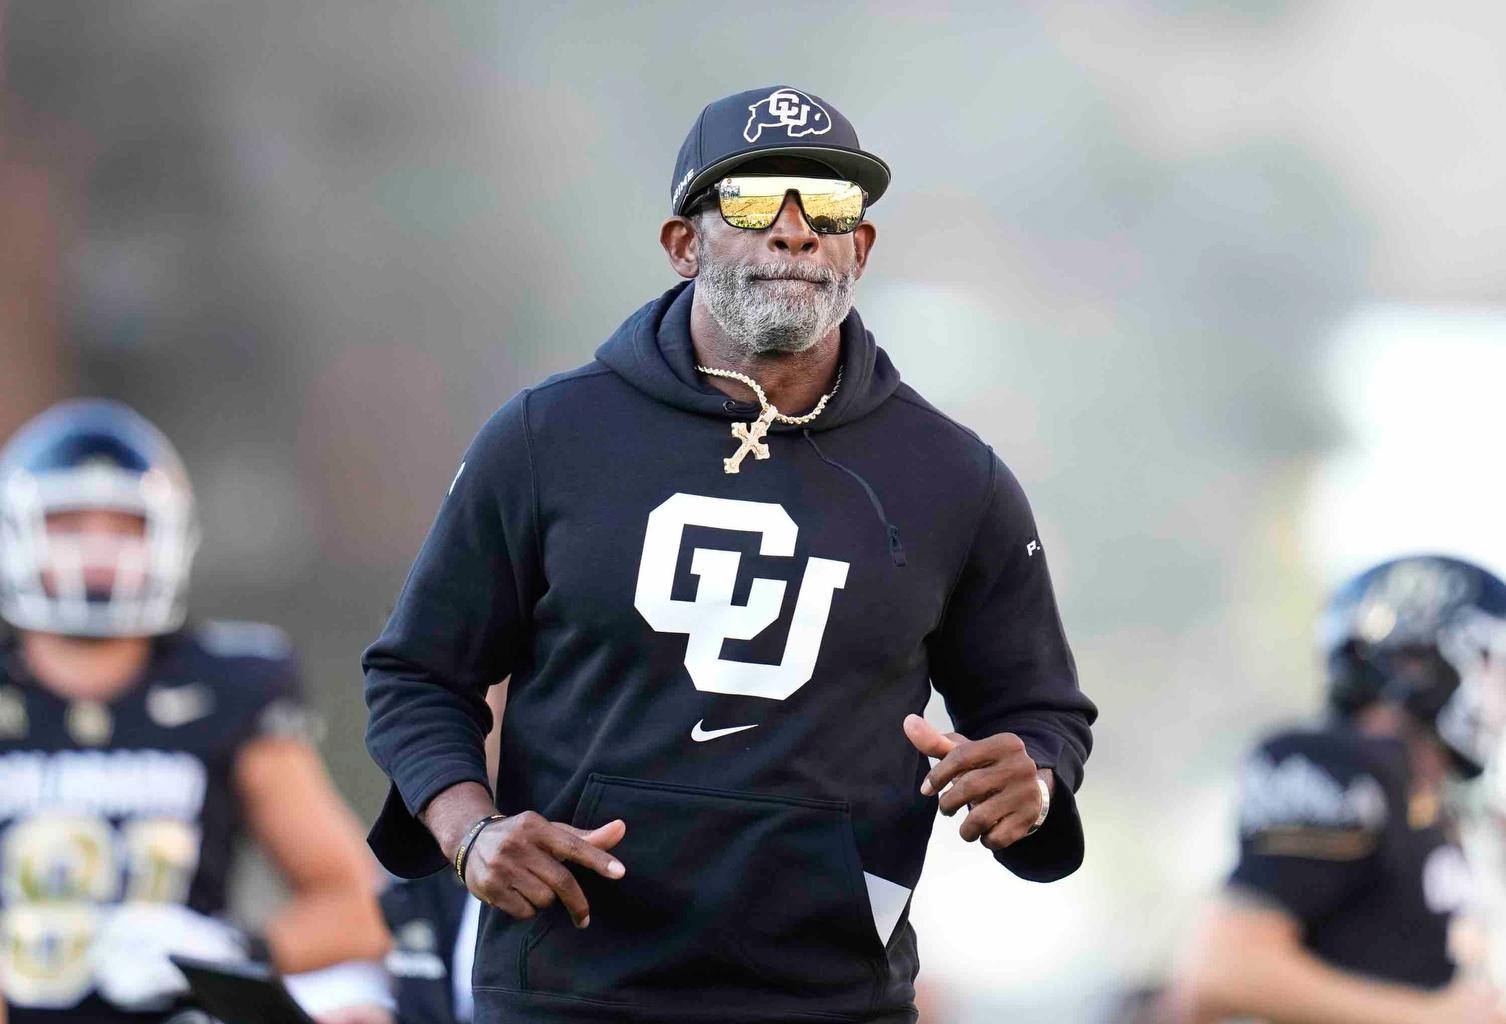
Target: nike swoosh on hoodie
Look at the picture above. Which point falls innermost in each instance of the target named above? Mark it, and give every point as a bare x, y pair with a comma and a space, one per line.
702, 735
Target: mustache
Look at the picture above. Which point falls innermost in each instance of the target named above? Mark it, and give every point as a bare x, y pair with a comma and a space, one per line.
789, 272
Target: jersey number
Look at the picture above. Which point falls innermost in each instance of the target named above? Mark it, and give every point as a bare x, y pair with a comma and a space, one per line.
56, 873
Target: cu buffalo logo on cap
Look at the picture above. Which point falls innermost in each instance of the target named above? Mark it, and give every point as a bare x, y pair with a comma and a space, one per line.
789, 109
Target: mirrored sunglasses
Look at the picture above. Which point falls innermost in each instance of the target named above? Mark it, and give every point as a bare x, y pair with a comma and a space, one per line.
752, 201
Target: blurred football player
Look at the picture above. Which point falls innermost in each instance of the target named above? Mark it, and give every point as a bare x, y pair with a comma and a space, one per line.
1346, 902
135, 747
433, 921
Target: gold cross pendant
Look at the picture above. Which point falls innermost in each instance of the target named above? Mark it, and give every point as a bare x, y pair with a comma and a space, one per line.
751, 435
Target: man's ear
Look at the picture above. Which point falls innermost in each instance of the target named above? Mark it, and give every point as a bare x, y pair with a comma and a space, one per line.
863, 237
681, 244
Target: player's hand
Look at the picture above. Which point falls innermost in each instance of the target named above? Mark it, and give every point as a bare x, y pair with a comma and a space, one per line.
994, 777
132, 947
1467, 1001
518, 864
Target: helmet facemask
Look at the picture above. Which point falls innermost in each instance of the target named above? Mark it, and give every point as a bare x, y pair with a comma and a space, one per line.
1471, 721
88, 583
1426, 633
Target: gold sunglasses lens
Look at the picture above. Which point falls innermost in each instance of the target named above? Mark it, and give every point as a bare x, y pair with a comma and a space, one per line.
749, 202
832, 206
834, 210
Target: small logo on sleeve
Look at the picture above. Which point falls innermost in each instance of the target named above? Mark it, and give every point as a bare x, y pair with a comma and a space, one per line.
175, 706
1032, 547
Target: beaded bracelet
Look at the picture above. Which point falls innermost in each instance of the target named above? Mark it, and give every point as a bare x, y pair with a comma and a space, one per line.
463, 853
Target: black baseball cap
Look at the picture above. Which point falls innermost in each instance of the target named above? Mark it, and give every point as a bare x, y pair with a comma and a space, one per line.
774, 121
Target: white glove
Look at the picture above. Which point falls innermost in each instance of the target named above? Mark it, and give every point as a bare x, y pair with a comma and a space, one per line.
131, 965
354, 983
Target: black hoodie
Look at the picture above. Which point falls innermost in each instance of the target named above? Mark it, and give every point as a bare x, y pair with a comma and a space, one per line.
724, 662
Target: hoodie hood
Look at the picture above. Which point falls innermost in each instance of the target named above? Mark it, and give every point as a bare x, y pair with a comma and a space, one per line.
651, 350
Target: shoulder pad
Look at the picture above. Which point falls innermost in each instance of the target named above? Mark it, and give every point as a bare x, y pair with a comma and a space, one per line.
225, 639
1313, 780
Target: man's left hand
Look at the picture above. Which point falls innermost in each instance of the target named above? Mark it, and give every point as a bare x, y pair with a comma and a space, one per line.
993, 776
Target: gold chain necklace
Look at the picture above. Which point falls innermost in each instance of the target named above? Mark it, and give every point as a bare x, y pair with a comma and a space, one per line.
751, 435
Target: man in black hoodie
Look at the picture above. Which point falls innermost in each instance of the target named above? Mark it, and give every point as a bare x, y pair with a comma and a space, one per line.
721, 622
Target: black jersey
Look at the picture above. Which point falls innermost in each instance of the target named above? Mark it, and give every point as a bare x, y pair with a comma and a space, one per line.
427, 918
1328, 831
128, 800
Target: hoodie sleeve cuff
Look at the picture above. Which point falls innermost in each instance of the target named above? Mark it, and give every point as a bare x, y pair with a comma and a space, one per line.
403, 844
1048, 750
1057, 849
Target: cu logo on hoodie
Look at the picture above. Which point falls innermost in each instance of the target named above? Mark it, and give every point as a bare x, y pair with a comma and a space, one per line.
789, 109
711, 617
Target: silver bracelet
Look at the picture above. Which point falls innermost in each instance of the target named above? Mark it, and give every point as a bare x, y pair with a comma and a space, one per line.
1040, 819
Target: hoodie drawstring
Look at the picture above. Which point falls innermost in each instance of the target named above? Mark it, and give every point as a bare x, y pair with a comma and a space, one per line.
891, 532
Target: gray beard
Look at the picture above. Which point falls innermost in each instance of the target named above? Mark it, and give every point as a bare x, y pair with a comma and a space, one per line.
762, 307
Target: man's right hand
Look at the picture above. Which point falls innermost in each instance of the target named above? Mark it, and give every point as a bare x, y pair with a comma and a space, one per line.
518, 864
1468, 1001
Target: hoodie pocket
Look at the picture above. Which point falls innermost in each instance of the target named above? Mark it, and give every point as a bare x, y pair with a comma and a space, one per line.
730, 899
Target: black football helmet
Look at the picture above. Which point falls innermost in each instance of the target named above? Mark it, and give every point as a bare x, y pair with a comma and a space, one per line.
1427, 632
94, 454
